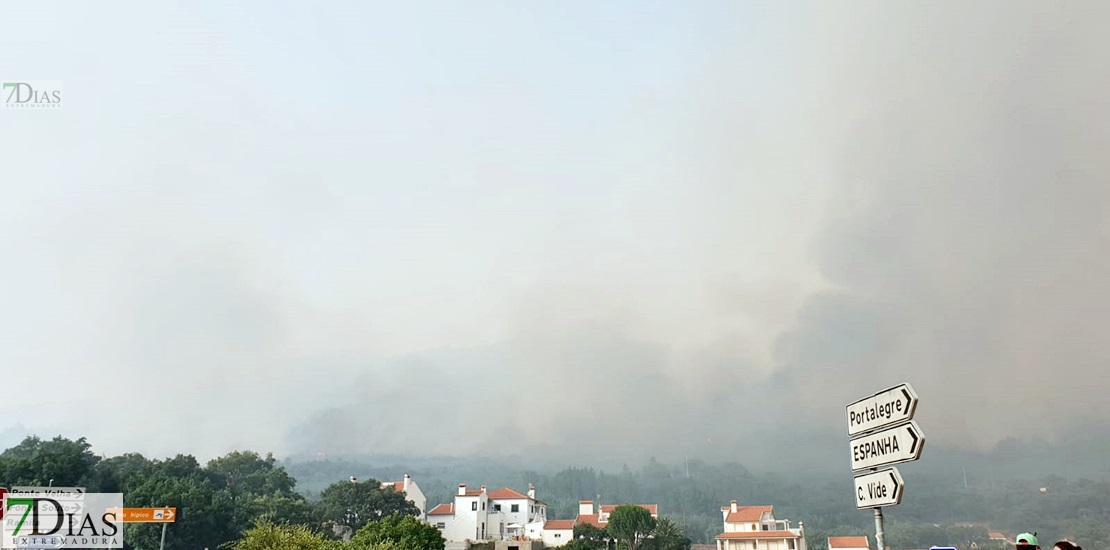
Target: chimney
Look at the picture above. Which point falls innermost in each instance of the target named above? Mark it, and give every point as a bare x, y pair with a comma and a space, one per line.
483, 488
531, 491
585, 507
462, 488
406, 482
733, 506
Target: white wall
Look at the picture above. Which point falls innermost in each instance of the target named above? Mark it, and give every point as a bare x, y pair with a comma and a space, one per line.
556, 537
414, 495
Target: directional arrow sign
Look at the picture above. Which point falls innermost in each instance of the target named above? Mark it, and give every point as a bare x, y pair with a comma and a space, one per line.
882, 488
887, 407
149, 515
901, 443
64, 492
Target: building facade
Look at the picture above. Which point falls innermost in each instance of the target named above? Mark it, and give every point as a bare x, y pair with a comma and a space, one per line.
412, 493
755, 528
502, 514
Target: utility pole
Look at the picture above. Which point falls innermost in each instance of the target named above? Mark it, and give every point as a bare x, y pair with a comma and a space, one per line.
162, 544
880, 538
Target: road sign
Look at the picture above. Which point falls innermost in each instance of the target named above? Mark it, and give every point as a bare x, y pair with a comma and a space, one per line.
63, 492
901, 443
887, 407
148, 515
882, 488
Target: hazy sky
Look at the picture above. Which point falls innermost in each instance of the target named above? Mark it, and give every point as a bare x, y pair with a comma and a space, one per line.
497, 226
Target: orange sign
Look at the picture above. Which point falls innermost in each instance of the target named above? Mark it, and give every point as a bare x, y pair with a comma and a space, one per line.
148, 515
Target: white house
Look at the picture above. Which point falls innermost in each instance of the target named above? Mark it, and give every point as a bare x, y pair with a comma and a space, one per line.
490, 515
755, 528
412, 493
849, 543
557, 532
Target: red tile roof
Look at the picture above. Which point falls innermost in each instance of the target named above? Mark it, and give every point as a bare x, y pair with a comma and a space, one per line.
563, 524
588, 518
398, 486
747, 514
759, 535
997, 535
443, 510
848, 542
653, 508
507, 493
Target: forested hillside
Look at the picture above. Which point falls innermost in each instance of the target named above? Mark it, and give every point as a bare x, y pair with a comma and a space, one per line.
221, 498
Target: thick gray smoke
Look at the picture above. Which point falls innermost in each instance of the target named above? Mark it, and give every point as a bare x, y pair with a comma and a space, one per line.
701, 234
966, 246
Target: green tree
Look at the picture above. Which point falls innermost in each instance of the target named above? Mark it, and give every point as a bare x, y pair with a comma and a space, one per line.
667, 535
205, 514
245, 472
39, 462
407, 531
258, 487
589, 537
355, 504
267, 535
630, 525
120, 474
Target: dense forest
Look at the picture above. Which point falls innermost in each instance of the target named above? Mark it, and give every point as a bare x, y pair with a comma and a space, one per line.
223, 498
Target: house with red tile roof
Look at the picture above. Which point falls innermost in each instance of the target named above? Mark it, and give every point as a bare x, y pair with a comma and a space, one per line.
557, 532
755, 528
849, 543
501, 514
412, 493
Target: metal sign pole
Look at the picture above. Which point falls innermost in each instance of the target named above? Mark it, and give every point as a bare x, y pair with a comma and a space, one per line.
162, 545
879, 537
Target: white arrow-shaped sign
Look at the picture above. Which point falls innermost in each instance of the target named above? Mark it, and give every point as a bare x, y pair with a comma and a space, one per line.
64, 492
882, 488
887, 407
901, 443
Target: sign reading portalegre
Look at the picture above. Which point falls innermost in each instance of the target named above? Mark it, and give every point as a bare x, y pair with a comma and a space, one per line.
42, 518
887, 407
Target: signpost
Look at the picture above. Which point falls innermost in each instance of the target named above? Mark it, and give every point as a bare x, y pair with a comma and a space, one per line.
149, 515
882, 433
901, 443
64, 492
882, 488
164, 516
887, 407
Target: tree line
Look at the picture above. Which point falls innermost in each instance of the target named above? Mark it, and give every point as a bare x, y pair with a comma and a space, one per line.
239, 500
228, 496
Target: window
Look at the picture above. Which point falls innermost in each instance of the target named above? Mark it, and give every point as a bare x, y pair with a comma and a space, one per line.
753, 544
474, 505
515, 508
483, 506
790, 544
766, 527
557, 535
496, 507
441, 525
